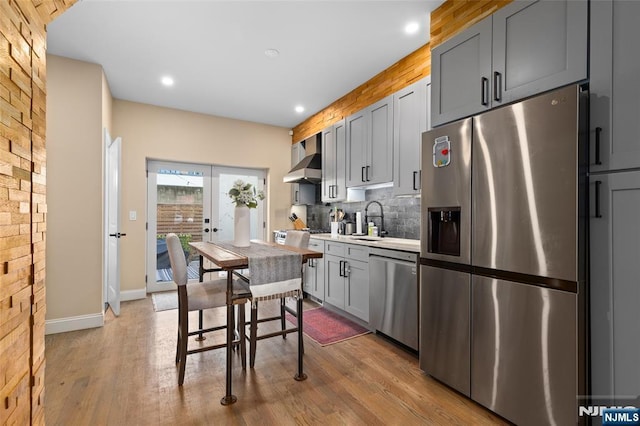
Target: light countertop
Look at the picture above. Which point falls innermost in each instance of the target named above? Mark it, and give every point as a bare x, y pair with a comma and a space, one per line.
403, 244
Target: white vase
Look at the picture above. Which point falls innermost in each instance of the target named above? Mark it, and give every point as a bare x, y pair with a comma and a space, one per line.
241, 226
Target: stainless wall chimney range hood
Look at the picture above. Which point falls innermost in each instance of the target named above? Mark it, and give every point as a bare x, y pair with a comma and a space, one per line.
309, 169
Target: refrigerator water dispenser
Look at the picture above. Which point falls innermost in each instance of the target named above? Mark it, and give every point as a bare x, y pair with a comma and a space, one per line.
444, 231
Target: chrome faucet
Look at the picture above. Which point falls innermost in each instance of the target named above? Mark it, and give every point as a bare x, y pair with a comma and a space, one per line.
381, 216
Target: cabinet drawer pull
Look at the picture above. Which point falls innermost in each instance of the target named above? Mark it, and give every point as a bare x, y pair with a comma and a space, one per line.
484, 86
598, 133
497, 86
598, 213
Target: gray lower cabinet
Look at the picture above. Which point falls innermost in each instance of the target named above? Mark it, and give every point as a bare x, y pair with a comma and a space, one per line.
524, 48
614, 284
333, 163
347, 278
410, 120
369, 142
314, 272
614, 85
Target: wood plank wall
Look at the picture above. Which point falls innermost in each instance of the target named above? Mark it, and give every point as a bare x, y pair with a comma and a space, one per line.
447, 20
23, 206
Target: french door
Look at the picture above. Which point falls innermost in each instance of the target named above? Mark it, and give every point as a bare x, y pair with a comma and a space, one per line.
192, 201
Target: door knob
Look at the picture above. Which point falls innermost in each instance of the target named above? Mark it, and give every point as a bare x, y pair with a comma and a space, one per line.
215, 229
206, 229
117, 235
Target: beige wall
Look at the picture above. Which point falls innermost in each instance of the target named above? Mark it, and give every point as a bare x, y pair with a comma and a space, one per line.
150, 132
74, 188
79, 106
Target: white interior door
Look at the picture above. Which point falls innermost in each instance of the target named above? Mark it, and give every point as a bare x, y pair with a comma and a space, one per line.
113, 235
191, 200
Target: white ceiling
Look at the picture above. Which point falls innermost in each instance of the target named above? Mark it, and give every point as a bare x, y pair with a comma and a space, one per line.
214, 50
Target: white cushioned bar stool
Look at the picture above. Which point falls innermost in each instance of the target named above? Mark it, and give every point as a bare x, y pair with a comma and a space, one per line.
199, 296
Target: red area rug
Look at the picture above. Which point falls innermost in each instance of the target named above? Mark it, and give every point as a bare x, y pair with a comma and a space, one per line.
326, 327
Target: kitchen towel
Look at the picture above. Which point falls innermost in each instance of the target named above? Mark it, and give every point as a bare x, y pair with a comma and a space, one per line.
274, 272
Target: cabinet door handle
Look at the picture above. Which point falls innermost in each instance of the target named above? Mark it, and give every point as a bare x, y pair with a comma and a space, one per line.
297, 200
414, 181
598, 213
497, 86
598, 133
342, 268
483, 91
346, 269
367, 173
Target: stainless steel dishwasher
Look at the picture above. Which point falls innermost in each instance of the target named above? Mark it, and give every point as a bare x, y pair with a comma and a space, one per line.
393, 295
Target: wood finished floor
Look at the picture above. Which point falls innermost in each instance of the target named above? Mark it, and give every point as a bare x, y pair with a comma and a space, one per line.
124, 374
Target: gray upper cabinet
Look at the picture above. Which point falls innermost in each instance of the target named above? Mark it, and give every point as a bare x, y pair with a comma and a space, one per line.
525, 48
333, 163
460, 69
370, 144
614, 85
410, 120
356, 125
379, 167
538, 46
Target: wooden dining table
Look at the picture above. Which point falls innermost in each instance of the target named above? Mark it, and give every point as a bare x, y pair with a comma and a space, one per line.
229, 261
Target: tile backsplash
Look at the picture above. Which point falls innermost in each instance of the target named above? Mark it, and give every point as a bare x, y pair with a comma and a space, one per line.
401, 214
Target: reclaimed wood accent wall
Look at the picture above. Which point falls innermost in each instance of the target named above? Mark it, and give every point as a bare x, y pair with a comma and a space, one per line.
456, 15
450, 18
23, 207
404, 72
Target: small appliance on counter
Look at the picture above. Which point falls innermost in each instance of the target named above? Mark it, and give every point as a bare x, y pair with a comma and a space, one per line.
280, 235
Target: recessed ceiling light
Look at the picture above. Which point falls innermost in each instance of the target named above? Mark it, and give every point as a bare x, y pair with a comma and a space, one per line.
299, 109
271, 53
412, 28
167, 81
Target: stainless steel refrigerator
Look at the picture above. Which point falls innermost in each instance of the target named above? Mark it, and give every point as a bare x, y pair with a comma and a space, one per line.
503, 276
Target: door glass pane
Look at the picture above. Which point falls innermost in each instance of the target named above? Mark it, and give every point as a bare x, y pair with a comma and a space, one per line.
179, 210
226, 207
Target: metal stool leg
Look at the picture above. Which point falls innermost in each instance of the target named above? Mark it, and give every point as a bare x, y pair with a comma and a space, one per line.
300, 375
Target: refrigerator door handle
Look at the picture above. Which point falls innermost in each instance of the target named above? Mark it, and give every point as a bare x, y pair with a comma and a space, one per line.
497, 86
598, 133
598, 213
484, 87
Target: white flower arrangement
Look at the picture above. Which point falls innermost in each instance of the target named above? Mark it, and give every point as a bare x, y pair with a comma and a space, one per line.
244, 194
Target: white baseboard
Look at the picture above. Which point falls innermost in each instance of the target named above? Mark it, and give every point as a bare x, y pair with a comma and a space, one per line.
127, 295
73, 323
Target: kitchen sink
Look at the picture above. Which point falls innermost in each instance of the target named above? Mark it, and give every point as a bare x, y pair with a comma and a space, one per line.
367, 238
